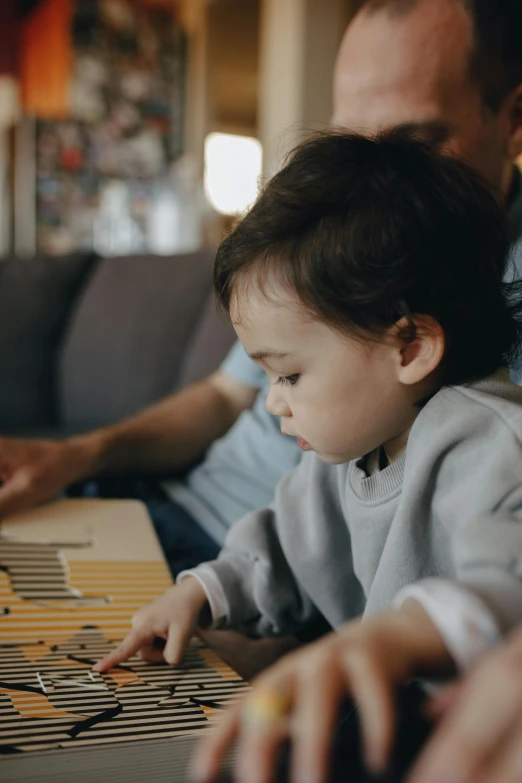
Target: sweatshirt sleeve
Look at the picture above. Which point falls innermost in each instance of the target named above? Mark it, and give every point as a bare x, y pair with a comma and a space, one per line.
487, 551
253, 580
477, 499
464, 622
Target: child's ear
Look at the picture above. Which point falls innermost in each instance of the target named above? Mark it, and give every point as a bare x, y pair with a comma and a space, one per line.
420, 354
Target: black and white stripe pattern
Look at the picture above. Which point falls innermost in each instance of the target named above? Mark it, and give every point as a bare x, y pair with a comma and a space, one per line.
39, 572
156, 700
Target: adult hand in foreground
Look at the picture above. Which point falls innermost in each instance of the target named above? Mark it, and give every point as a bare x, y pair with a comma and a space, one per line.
479, 736
299, 698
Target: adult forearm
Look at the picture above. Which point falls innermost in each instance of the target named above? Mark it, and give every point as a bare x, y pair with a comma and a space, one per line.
165, 438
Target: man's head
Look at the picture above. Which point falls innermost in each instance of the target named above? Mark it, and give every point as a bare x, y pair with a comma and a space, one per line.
452, 67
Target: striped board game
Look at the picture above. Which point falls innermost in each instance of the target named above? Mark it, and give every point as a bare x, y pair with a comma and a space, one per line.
71, 576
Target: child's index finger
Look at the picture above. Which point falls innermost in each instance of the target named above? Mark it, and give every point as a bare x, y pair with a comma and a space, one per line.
128, 647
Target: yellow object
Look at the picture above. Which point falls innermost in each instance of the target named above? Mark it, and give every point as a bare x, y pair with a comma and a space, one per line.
264, 706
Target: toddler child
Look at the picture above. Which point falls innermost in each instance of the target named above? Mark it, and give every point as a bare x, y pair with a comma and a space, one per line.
367, 282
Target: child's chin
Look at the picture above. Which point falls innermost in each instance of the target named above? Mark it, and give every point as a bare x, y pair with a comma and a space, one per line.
332, 459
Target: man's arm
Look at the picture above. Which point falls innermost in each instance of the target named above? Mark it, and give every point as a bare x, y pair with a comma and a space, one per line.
167, 437
172, 434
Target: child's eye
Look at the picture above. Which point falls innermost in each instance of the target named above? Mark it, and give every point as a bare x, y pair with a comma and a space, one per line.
291, 379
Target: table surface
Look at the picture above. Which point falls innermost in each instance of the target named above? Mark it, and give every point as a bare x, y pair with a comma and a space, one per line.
72, 574
110, 551
102, 559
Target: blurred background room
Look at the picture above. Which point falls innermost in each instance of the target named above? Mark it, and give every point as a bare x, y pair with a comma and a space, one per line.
131, 133
131, 125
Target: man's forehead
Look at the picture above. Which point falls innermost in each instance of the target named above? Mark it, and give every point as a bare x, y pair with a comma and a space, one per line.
401, 69
425, 24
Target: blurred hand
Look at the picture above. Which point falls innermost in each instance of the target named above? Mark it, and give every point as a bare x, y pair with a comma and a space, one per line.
173, 617
479, 738
35, 471
245, 655
299, 697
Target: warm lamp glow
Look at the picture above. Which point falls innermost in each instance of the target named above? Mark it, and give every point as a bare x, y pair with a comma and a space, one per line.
232, 169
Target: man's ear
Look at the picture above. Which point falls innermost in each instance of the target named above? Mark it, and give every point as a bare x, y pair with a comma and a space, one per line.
514, 117
419, 354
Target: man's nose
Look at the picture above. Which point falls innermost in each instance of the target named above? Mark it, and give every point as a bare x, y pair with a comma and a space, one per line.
275, 405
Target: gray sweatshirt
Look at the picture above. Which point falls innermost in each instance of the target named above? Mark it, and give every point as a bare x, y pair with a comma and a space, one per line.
340, 543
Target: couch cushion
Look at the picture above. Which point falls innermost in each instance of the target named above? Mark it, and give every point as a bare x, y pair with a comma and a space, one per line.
210, 343
36, 297
128, 335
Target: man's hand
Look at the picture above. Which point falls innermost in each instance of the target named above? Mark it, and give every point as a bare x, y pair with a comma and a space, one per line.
165, 438
479, 739
300, 696
173, 617
35, 471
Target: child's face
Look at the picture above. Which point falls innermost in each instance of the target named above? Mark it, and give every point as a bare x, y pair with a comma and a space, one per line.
340, 396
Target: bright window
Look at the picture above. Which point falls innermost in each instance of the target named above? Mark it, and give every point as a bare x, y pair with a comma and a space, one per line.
232, 170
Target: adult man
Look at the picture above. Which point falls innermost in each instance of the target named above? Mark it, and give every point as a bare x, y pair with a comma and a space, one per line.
450, 68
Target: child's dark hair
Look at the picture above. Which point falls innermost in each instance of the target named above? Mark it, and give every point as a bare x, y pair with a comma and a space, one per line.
369, 230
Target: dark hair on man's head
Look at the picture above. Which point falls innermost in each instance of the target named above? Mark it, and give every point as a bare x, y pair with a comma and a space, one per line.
367, 231
496, 55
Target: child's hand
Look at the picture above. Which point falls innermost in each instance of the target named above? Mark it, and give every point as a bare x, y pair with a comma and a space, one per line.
172, 617
300, 696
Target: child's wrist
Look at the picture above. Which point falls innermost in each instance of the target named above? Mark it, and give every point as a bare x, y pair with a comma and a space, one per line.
411, 640
197, 597
429, 653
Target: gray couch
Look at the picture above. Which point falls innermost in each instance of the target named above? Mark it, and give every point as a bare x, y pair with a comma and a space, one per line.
85, 341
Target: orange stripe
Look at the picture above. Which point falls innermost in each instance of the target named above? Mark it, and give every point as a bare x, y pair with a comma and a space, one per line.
36, 706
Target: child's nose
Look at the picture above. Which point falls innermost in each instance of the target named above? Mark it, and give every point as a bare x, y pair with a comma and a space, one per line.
275, 405
280, 409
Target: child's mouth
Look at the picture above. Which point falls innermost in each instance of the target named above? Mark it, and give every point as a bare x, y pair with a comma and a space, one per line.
303, 444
